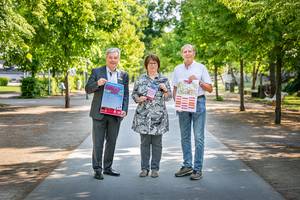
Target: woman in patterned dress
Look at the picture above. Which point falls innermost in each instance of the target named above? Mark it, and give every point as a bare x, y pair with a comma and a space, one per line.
150, 91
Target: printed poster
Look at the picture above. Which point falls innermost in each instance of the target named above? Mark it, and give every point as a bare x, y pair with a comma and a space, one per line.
112, 99
186, 96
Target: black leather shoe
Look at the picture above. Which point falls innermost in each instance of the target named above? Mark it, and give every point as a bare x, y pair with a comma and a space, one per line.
111, 172
98, 175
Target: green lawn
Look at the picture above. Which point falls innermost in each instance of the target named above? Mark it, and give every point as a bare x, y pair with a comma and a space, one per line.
9, 89
292, 102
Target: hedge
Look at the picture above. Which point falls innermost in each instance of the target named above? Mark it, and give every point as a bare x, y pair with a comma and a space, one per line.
4, 81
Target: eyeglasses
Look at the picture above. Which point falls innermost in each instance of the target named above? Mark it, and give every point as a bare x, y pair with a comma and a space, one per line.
152, 64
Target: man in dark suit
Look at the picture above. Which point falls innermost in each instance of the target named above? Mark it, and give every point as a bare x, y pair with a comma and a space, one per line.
106, 127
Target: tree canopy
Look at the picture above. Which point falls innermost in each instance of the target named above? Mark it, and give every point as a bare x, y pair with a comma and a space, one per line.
56, 35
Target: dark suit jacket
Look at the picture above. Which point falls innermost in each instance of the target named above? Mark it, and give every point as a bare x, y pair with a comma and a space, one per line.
92, 87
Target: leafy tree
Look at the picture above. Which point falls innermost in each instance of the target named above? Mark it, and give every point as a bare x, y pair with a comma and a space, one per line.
168, 48
35, 13
127, 36
15, 29
219, 33
276, 24
161, 16
81, 28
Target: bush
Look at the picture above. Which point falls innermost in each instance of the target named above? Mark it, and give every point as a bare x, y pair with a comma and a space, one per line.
54, 89
219, 98
4, 81
31, 87
292, 86
44, 86
54, 86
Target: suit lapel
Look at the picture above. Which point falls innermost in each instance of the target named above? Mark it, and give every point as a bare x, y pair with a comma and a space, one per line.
120, 77
103, 73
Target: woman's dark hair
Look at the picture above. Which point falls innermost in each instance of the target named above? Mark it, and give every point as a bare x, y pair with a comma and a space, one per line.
152, 57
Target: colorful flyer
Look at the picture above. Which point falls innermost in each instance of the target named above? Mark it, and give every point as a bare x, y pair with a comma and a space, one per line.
112, 99
151, 91
186, 96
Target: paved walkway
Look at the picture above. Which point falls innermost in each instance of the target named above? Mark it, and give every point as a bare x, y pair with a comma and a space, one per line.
225, 177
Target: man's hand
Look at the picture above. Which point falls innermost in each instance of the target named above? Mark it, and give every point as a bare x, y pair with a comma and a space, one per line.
101, 81
205, 86
123, 113
193, 77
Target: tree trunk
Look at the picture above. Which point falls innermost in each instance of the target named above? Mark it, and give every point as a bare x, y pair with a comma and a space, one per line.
242, 107
33, 71
255, 70
278, 88
216, 82
272, 79
261, 91
233, 77
53, 72
67, 94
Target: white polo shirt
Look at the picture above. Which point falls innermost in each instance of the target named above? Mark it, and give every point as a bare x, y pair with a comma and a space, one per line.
182, 73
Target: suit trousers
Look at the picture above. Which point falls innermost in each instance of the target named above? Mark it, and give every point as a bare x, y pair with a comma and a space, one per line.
107, 130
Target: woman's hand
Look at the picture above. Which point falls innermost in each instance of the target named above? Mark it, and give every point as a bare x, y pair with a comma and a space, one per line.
141, 99
163, 87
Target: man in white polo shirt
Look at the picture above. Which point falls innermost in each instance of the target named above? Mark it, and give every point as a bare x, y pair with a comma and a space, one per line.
191, 70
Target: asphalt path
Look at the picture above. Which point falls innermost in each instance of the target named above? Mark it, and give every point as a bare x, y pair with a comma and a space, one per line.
225, 176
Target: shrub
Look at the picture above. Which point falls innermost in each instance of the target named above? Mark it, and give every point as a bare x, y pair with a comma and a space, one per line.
54, 83
4, 81
293, 85
31, 87
54, 86
219, 98
44, 86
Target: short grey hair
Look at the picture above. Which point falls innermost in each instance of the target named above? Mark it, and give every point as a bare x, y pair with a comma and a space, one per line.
188, 46
113, 50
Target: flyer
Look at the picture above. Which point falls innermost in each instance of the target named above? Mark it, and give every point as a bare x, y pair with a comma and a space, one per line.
151, 91
112, 99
